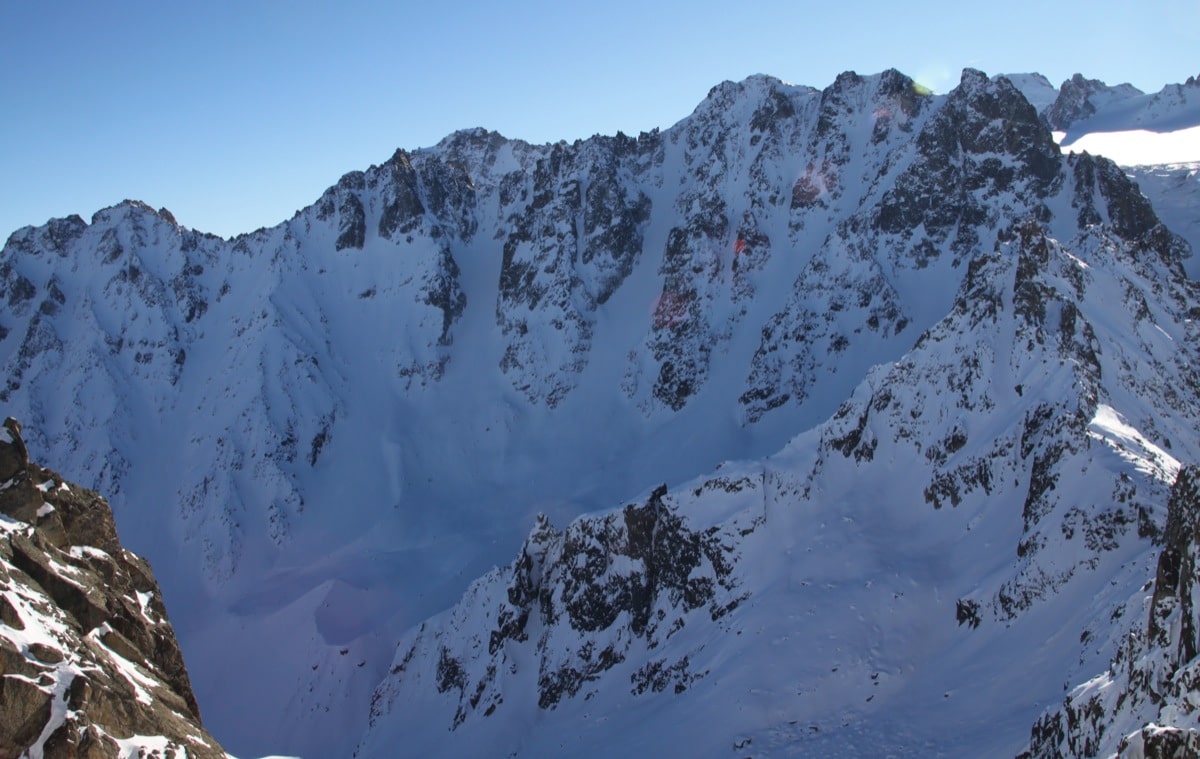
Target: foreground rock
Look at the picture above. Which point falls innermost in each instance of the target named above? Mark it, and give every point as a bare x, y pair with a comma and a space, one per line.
89, 664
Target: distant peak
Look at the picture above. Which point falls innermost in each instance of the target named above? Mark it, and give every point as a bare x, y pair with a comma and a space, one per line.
1078, 83
1031, 77
1079, 98
973, 78
763, 80
129, 207
476, 137
1036, 88
755, 85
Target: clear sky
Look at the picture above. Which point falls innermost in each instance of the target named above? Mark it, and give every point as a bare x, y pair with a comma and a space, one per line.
235, 114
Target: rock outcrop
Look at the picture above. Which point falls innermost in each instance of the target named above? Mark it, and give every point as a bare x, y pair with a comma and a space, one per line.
1148, 702
598, 606
89, 663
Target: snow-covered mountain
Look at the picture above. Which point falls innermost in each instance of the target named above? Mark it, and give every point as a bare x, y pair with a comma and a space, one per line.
942, 554
1089, 105
956, 367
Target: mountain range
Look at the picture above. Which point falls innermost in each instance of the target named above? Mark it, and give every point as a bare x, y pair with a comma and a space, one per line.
835, 421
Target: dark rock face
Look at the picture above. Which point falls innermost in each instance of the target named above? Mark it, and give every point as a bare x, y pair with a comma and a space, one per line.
1128, 210
443, 292
81, 620
14, 459
1174, 617
1155, 742
963, 161
577, 226
605, 590
402, 208
352, 227
1073, 102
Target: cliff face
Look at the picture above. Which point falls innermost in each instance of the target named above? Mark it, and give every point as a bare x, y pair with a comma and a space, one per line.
89, 664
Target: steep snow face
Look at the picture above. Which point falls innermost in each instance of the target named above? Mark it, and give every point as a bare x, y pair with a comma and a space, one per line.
940, 555
339, 421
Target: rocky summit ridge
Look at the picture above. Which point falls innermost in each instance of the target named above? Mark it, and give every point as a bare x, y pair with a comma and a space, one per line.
89, 661
918, 384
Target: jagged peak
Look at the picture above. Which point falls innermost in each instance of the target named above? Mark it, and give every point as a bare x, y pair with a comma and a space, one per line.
1078, 97
972, 77
754, 83
351, 180
1000, 98
400, 159
887, 84
974, 82
894, 81
133, 209
748, 93
474, 138
57, 230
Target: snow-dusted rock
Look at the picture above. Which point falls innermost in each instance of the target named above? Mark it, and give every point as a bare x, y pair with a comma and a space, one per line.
1145, 704
981, 484
1080, 98
89, 660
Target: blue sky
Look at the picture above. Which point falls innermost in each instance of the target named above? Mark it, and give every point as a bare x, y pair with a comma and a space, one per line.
235, 114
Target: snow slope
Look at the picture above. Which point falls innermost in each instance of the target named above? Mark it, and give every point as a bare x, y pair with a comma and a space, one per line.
942, 554
320, 433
